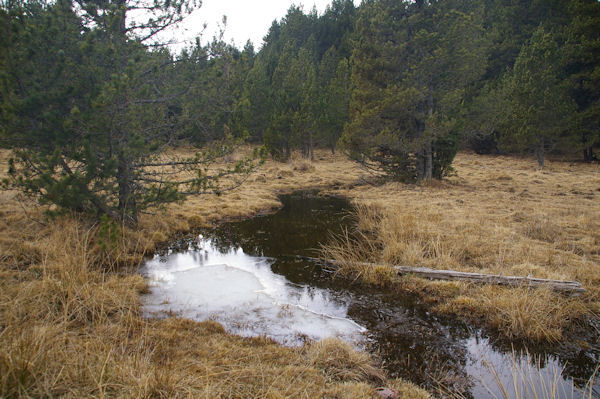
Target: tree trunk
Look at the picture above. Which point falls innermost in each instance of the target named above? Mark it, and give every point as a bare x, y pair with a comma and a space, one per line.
588, 154
311, 146
127, 206
428, 150
428, 161
539, 153
421, 156
420, 166
122, 5
563, 286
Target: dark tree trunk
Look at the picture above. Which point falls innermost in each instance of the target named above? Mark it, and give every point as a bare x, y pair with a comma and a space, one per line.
122, 23
588, 148
588, 154
420, 166
127, 206
421, 155
539, 153
311, 146
428, 150
428, 161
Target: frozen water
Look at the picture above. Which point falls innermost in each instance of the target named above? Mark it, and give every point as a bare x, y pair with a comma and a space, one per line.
242, 293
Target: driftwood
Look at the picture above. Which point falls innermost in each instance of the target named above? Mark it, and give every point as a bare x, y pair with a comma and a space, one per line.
562, 286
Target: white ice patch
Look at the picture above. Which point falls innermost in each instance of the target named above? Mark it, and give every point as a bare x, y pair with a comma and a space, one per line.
242, 293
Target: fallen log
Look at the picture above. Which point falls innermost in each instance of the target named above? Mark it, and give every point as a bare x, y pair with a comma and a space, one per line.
562, 286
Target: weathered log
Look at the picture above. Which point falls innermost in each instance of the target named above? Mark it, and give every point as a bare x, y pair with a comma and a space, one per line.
563, 286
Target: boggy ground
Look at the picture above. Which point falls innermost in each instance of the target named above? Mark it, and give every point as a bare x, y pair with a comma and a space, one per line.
70, 320
499, 215
71, 323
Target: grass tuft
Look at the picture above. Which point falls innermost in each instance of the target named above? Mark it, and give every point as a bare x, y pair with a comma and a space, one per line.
531, 380
472, 223
340, 362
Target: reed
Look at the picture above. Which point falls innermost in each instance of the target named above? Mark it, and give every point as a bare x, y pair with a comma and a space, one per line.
528, 379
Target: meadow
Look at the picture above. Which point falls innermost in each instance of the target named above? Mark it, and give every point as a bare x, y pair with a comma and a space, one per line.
70, 310
497, 215
71, 323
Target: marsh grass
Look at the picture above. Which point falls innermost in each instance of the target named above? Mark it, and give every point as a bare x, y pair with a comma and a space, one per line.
498, 215
530, 380
71, 323
525, 377
73, 328
70, 316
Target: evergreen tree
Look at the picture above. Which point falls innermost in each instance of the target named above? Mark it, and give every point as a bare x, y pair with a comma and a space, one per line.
290, 109
242, 67
541, 111
305, 118
286, 81
334, 104
509, 25
89, 124
582, 66
256, 104
410, 69
217, 72
336, 27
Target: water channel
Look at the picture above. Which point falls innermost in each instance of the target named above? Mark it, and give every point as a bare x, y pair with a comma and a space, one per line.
248, 276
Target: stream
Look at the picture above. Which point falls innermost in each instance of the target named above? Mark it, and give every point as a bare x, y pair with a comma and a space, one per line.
249, 276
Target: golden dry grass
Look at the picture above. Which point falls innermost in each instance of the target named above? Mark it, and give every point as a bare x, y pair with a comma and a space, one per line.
528, 379
496, 215
259, 193
71, 323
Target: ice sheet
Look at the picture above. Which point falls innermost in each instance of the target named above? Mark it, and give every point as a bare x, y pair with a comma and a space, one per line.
242, 293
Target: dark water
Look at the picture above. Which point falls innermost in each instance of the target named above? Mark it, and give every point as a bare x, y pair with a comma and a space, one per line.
409, 341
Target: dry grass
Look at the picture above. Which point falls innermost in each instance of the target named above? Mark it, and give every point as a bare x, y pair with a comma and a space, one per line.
259, 194
342, 363
71, 323
529, 381
497, 215
526, 376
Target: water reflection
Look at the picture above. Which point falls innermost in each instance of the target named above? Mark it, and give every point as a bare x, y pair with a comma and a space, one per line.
291, 299
242, 293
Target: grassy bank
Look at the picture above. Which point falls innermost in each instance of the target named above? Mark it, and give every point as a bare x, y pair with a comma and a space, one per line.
70, 320
71, 323
496, 215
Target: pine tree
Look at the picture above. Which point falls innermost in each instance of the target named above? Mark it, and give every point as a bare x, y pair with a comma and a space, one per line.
541, 111
286, 82
410, 69
581, 54
256, 104
334, 101
89, 108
